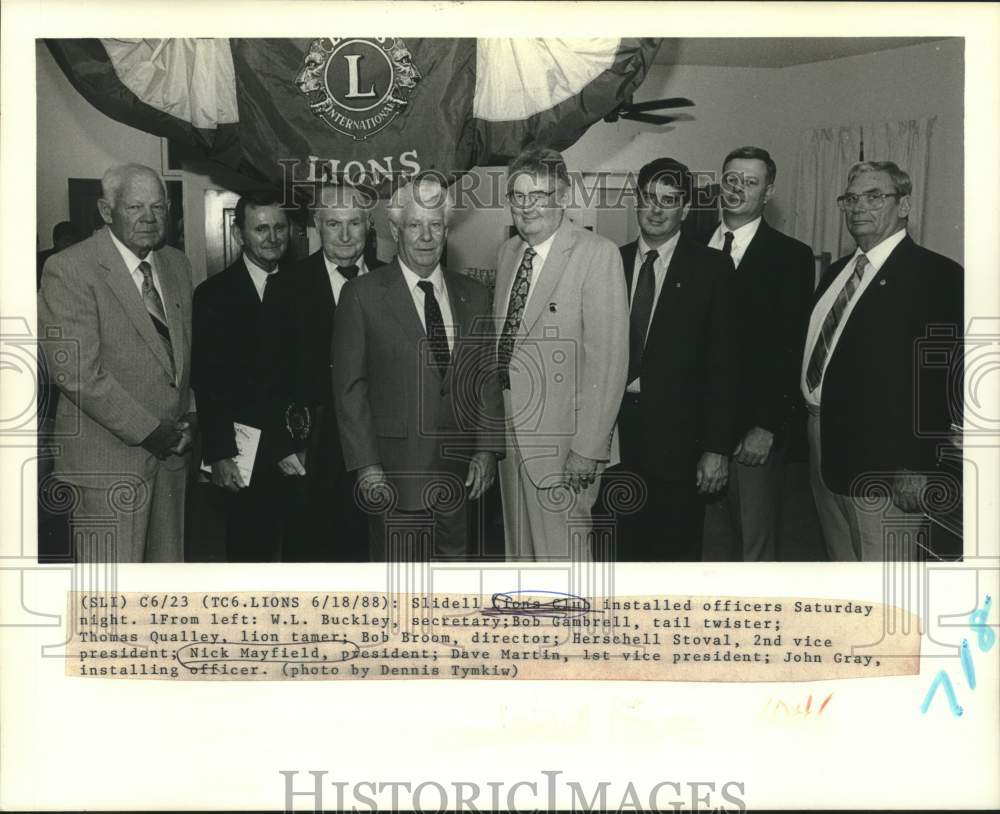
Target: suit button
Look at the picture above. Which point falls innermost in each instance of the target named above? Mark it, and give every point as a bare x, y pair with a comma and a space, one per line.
173, 384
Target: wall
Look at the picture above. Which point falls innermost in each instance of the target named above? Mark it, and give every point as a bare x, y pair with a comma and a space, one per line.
894, 85
75, 140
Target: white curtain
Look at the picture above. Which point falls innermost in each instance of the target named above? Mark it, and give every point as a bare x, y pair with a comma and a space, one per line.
825, 156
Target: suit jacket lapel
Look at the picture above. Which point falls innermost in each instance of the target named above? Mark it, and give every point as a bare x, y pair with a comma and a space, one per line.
679, 274
461, 313
120, 282
172, 310
399, 303
628, 252
545, 281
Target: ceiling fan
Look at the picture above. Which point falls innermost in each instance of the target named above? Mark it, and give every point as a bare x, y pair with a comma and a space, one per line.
639, 111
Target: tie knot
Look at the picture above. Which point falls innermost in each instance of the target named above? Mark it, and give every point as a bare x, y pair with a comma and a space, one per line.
529, 253
350, 272
860, 265
652, 256
145, 269
426, 286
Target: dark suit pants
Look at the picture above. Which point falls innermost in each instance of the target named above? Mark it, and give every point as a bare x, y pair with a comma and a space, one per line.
325, 523
400, 535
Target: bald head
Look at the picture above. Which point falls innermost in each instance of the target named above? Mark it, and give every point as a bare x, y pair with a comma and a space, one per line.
134, 206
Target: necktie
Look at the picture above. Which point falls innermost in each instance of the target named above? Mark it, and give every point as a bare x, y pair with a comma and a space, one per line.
434, 325
515, 310
814, 373
727, 243
154, 307
350, 272
642, 310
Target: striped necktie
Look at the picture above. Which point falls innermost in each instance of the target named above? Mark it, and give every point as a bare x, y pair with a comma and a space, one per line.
154, 307
817, 362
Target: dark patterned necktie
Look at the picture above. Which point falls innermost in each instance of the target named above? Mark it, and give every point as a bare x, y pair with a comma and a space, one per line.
154, 307
642, 310
727, 243
814, 373
434, 326
515, 310
350, 272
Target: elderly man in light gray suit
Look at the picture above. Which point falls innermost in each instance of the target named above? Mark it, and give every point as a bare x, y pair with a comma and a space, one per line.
115, 315
562, 357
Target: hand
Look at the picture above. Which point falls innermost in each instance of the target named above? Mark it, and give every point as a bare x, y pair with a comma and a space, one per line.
294, 464
226, 473
906, 490
188, 426
755, 447
580, 472
712, 473
373, 485
482, 473
161, 441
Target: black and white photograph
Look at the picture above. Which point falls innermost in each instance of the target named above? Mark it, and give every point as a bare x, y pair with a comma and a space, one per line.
499, 406
645, 281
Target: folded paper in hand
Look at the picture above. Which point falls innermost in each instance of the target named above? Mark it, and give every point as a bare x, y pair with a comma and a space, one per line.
247, 440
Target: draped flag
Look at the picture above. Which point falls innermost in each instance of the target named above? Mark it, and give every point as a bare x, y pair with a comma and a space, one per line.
366, 108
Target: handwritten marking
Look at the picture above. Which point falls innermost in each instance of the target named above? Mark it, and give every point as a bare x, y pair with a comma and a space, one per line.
985, 635
941, 679
967, 667
985, 638
550, 604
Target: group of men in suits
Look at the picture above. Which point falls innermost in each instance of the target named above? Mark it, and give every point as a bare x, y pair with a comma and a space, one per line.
635, 396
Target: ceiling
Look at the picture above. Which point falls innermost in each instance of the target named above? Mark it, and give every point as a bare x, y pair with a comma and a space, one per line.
773, 52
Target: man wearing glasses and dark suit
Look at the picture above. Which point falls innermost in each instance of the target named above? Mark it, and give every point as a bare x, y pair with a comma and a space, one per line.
873, 424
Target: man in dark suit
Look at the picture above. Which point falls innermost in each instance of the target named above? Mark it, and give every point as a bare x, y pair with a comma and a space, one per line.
301, 306
115, 310
675, 423
231, 369
415, 386
772, 296
867, 428
64, 235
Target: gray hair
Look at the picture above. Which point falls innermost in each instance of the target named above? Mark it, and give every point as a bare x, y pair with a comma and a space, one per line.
900, 178
541, 162
328, 195
117, 177
425, 191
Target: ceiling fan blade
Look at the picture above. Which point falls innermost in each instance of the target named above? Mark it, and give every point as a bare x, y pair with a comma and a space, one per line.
648, 118
659, 104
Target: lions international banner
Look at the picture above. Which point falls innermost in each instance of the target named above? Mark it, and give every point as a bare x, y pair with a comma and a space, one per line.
367, 108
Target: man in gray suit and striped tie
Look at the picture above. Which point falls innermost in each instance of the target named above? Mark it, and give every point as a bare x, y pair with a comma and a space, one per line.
115, 315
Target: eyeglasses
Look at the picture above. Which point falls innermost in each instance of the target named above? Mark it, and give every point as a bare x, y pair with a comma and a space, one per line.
523, 200
873, 200
668, 201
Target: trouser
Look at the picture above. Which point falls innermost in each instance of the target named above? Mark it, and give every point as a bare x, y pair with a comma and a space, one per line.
130, 520
401, 535
853, 530
325, 522
742, 523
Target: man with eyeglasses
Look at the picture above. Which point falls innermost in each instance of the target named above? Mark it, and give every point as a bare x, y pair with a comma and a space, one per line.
860, 368
561, 354
675, 422
772, 296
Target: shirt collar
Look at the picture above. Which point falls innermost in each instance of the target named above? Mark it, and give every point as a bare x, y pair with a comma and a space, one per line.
412, 278
666, 250
543, 248
877, 255
130, 258
744, 234
257, 274
331, 265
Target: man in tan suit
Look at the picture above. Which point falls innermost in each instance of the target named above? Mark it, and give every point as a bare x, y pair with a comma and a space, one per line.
562, 355
115, 314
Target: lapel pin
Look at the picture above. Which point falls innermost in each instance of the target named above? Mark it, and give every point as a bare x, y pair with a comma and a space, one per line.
677, 285
881, 282
552, 307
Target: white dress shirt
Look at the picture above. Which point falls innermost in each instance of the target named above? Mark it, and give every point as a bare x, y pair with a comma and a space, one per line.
660, 265
877, 256
132, 262
440, 294
338, 280
258, 275
537, 265
741, 239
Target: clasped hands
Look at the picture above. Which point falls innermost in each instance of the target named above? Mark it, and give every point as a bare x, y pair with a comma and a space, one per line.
172, 437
